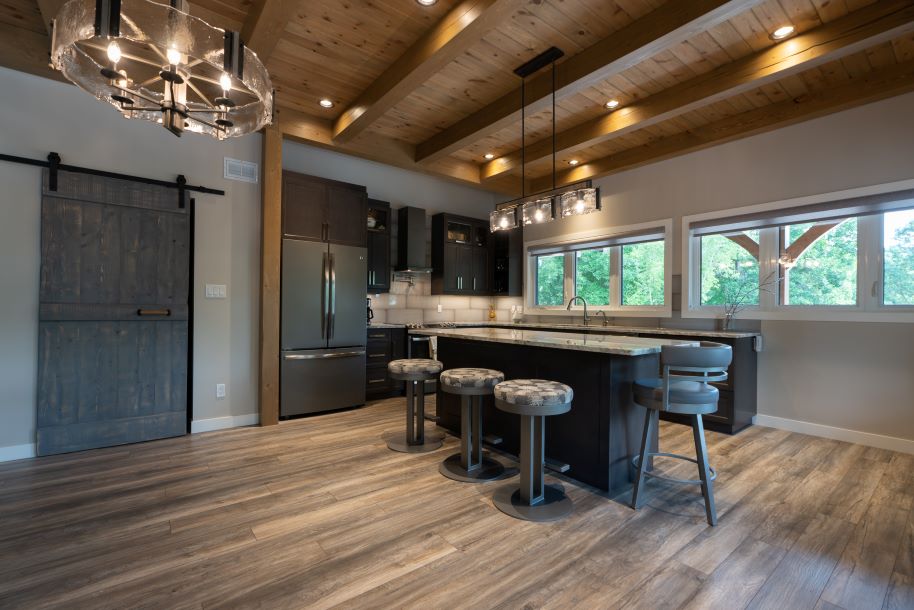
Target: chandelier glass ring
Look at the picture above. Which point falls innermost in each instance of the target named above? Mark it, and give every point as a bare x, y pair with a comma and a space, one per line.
156, 62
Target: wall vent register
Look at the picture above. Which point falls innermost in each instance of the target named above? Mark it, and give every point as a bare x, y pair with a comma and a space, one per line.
243, 171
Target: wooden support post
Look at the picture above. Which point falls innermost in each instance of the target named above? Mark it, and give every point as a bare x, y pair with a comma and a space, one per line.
270, 250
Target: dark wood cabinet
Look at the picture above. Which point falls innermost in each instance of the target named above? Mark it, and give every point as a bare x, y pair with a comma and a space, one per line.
378, 246
508, 263
460, 255
383, 345
317, 209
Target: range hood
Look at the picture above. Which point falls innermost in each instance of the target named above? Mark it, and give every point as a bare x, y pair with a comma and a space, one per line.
411, 241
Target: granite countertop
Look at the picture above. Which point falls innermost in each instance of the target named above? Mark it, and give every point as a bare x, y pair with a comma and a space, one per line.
581, 342
598, 328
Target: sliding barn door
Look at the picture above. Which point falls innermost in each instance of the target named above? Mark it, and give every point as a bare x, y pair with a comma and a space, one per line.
113, 318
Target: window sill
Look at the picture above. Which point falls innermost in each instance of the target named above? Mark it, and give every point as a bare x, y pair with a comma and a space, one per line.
810, 315
578, 312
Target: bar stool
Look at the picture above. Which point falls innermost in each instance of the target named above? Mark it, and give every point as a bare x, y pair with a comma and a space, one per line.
686, 394
533, 400
471, 384
415, 372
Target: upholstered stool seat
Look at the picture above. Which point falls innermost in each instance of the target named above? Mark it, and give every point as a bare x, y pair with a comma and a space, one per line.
688, 371
533, 400
470, 466
415, 372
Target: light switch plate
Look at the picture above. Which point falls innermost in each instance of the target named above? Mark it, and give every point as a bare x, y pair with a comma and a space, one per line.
215, 291
220, 390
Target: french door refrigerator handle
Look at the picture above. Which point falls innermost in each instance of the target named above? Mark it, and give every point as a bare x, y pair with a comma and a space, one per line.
332, 296
324, 295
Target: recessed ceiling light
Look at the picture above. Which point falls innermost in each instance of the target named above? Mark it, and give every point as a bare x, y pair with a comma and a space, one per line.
426, 2
782, 32
573, 162
612, 104
326, 103
489, 156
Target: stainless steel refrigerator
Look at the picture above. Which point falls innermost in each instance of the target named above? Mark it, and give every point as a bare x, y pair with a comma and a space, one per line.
323, 327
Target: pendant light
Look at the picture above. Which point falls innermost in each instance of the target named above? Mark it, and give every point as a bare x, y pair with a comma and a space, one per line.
540, 208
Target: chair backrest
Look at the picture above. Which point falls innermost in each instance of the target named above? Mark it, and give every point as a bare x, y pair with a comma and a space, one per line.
707, 358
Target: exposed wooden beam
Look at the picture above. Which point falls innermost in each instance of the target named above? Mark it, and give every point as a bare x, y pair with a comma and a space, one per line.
49, 9
666, 26
26, 51
319, 132
270, 252
867, 27
462, 27
265, 23
882, 84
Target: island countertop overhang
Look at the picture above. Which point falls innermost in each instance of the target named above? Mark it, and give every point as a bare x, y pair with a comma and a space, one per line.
582, 342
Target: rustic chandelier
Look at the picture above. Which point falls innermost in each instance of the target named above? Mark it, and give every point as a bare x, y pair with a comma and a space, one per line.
154, 61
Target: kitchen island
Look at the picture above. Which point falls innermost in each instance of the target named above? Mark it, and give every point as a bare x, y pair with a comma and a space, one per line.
597, 438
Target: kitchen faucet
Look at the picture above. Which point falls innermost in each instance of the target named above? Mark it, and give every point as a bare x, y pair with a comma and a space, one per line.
600, 312
580, 298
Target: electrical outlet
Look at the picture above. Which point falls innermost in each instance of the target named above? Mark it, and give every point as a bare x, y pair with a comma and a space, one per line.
439, 307
220, 390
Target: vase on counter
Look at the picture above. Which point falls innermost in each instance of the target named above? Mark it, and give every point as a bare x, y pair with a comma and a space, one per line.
726, 322
491, 312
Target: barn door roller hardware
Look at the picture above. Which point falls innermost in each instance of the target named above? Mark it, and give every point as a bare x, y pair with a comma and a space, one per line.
54, 166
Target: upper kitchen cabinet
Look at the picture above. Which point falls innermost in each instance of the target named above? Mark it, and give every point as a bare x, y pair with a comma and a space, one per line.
460, 255
318, 209
378, 246
508, 263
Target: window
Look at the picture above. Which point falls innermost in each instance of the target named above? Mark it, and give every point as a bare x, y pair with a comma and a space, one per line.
643, 274
853, 254
627, 271
730, 267
550, 280
591, 275
819, 263
898, 258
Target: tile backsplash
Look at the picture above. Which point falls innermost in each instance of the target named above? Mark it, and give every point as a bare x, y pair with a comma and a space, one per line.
410, 302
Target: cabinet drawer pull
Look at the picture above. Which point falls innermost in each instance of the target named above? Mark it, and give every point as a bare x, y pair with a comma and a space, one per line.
377, 355
376, 380
378, 336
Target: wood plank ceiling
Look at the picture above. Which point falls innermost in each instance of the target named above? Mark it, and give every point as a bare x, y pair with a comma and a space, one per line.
431, 87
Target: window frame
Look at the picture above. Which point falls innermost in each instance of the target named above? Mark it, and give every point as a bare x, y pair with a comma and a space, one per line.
572, 243
870, 265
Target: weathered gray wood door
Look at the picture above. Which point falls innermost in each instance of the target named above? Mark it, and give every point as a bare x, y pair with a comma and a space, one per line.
113, 319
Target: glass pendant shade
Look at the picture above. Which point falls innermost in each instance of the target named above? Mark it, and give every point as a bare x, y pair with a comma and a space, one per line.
161, 64
503, 220
580, 201
538, 212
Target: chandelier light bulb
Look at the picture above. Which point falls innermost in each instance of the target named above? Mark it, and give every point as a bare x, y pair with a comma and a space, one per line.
114, 52
173, 55
503, 222
122, 80
538, 216
579, 206
226, 82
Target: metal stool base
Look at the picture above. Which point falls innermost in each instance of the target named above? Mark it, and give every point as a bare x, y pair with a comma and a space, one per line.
554, 506
488, 470
399, 442
636, 462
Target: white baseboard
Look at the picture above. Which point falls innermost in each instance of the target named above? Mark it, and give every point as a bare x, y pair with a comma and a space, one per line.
17, 452
869, 439
223, 423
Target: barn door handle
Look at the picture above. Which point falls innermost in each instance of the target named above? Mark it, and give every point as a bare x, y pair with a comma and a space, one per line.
153, 312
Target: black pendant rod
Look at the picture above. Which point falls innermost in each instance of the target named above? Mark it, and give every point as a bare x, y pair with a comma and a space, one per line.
523, 131
54, 162
553, 124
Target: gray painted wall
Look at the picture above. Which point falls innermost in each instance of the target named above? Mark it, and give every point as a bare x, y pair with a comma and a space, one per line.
848, 375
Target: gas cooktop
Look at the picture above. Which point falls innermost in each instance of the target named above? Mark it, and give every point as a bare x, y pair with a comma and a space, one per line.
418, 325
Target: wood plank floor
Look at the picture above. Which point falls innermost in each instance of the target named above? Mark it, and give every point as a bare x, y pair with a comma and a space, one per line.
319, 513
